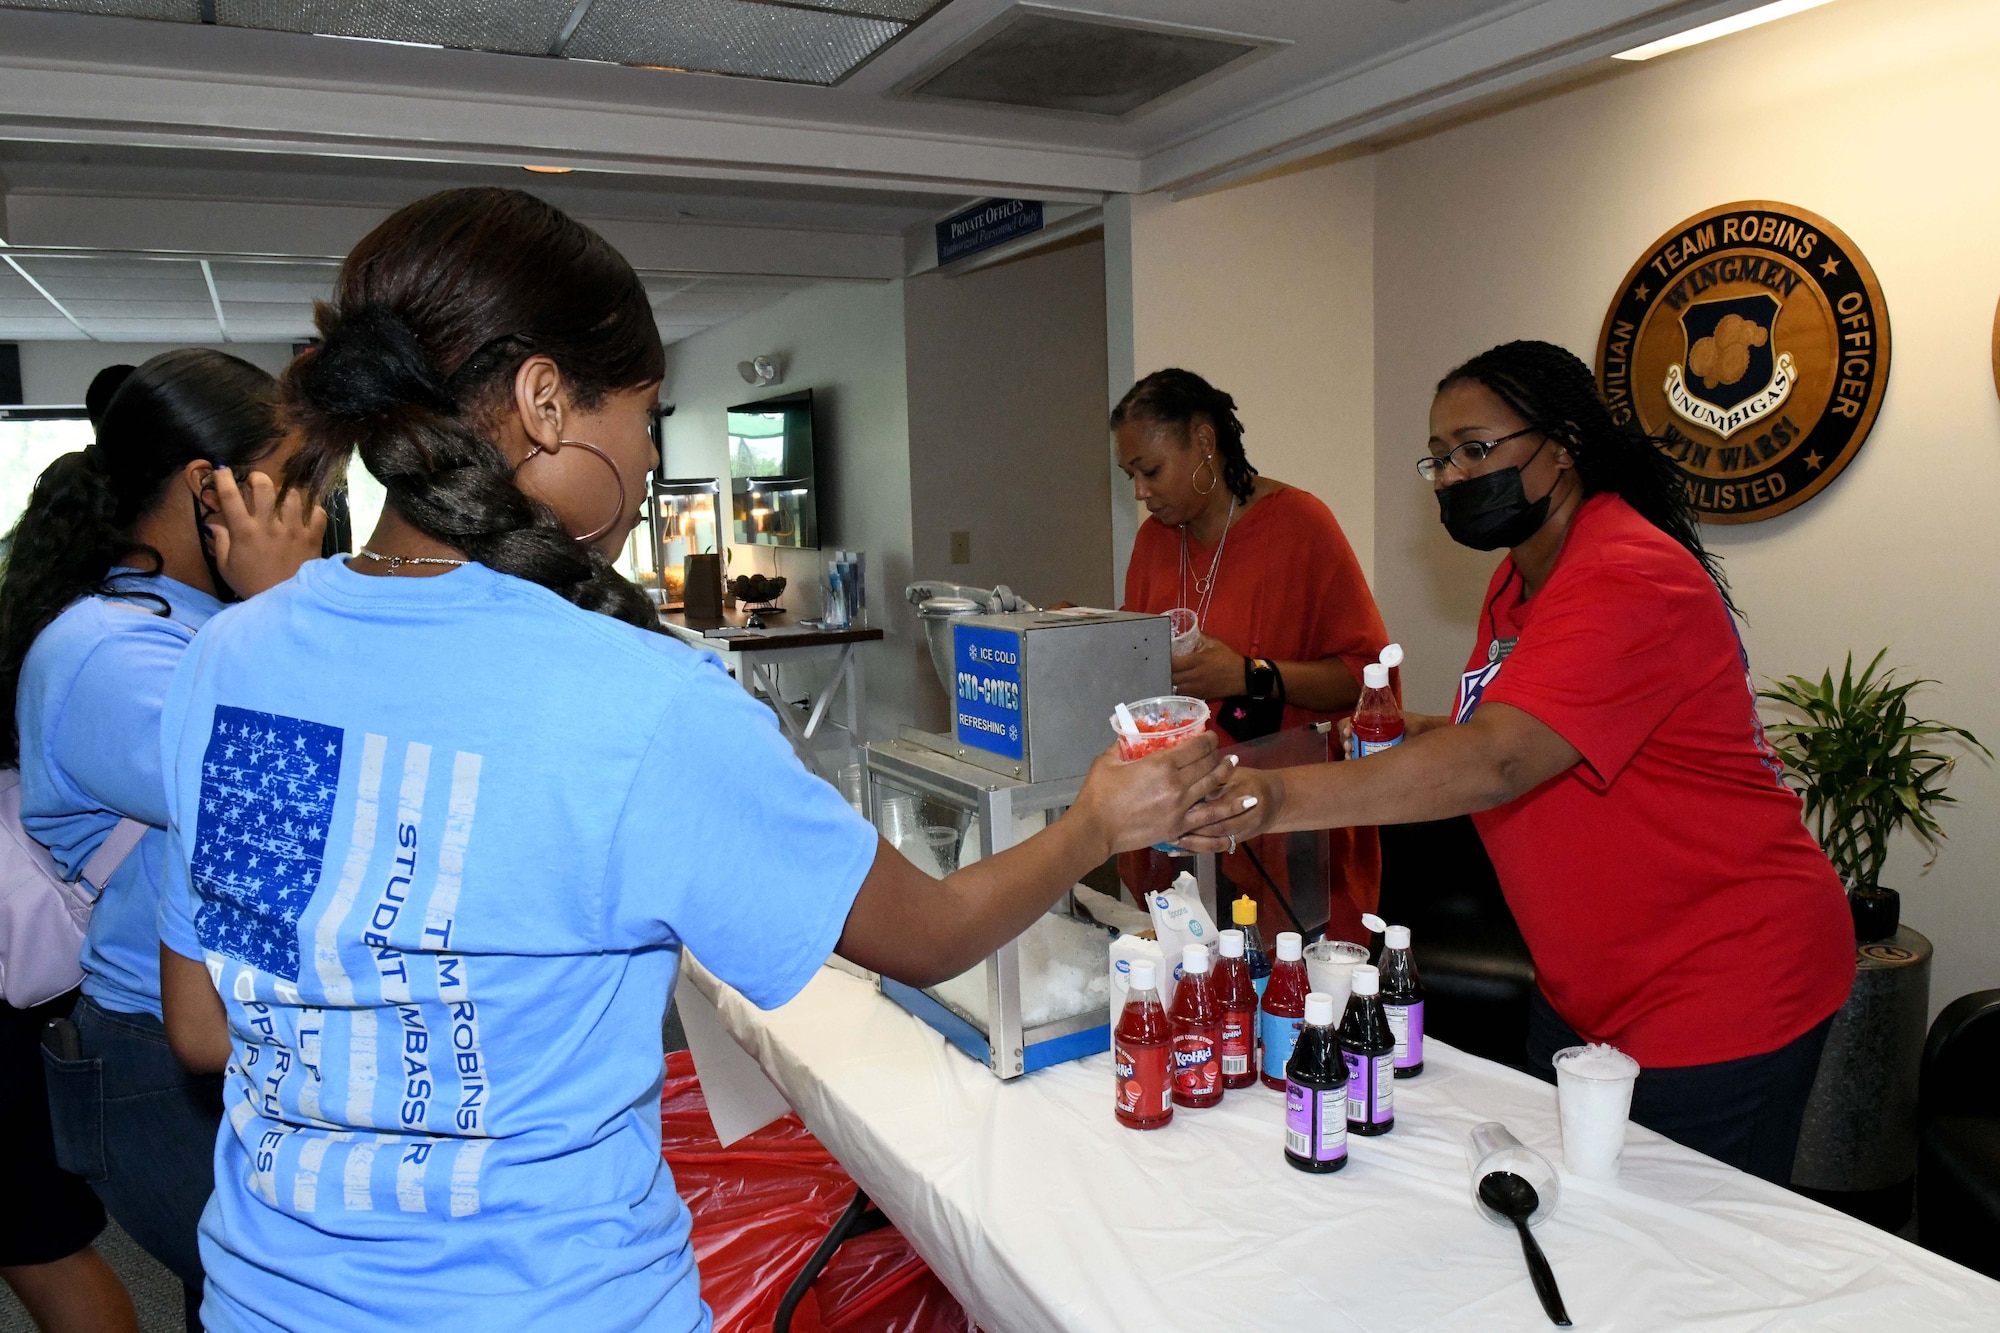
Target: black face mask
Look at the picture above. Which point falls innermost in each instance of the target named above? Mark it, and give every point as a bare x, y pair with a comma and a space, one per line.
1491, 510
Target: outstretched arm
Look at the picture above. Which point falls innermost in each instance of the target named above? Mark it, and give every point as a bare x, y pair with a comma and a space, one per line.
1500, 754
921, 931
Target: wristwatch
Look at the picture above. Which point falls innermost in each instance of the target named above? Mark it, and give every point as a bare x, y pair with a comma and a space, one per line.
1260, 677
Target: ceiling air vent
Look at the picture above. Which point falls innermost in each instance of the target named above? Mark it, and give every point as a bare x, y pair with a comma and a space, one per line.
1083, 64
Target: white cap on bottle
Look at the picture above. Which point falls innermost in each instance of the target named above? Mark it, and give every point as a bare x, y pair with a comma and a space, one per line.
1375, 676
1396, 937
1194, 959
1367, 981
1291, 946
1319, 1010
1232, 943
1392, 656
1142, 974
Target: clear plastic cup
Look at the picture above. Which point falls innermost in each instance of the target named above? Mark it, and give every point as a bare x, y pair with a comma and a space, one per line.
1330, 967
1492, 1147
1594, 1099
1164, 721
1186, 630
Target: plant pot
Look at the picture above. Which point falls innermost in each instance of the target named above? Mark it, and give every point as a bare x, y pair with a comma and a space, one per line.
1877, 912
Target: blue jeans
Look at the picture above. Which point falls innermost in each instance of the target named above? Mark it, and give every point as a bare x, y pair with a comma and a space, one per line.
135, 1124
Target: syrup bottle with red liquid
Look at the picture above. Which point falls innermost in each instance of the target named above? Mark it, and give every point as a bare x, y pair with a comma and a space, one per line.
1197, 1027
1377, 723
1142, 1054
1236, 998
1283, 1011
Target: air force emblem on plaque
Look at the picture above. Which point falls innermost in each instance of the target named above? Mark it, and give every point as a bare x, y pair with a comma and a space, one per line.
1753, 342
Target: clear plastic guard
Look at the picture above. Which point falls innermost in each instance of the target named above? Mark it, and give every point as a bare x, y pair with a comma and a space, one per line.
1064, 958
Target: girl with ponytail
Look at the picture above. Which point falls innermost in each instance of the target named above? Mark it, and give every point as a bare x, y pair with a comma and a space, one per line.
1605, 740
484, 802
124, 551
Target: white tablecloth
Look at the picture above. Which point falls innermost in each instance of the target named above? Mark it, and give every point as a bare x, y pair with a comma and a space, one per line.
1040, 1212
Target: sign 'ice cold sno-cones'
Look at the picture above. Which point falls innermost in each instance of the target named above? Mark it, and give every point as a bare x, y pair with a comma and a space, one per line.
1752, 341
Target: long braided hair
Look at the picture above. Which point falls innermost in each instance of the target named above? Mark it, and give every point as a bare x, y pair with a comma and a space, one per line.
1554, 391
432, 315
1176, 397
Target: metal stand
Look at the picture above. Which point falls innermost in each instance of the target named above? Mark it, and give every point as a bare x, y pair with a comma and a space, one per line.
760, 670
858, 1219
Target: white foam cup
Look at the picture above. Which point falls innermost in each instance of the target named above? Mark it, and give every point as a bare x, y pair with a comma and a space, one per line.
1330, 968
1594, 1098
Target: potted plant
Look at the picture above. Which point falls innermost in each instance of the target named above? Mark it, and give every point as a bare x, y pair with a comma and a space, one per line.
1862, 765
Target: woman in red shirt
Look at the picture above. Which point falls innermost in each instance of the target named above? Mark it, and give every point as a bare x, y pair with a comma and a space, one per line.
1606, 742
1286, 617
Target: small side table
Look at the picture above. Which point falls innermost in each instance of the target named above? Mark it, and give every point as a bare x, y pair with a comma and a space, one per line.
754, 656
1858, 1148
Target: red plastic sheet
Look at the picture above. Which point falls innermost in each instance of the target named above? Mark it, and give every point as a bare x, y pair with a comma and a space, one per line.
763, 1204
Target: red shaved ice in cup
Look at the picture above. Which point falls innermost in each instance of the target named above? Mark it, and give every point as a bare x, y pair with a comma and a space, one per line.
1162, 722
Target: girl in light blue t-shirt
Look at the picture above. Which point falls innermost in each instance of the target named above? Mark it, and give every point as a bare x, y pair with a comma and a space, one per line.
447, 813
110, 571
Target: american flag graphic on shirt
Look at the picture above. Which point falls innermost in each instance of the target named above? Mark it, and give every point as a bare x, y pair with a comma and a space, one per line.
268, 785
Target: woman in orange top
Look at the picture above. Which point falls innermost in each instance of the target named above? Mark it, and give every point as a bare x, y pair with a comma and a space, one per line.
1286, 617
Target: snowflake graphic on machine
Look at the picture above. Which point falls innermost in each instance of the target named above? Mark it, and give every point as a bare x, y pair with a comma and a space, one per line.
268, 786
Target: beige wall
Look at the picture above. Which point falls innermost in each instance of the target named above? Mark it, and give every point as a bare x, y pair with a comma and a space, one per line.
845, 343
1876, 114
1006, 377
59, 372
1266, 291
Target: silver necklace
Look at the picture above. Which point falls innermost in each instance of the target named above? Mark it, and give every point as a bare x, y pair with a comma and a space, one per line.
1205, 588
396, 562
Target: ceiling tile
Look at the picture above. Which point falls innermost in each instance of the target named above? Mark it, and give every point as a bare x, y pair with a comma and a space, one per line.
520, 27
180, 11
731, 37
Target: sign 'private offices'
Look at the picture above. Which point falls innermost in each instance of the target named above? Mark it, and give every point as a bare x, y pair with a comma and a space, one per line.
1752, 342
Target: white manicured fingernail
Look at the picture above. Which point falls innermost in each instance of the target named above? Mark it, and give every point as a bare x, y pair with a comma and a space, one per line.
1232, 761
1249, 801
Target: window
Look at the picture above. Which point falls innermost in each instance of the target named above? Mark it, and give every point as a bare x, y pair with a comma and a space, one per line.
31, 438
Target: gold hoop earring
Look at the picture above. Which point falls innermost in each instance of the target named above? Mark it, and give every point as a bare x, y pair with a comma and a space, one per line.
616, 476
1207, 461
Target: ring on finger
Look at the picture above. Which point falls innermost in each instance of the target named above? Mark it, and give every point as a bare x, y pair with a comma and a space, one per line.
1232, 844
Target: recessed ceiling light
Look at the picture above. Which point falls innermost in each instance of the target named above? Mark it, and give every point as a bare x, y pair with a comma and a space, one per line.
548, 171
1708, 32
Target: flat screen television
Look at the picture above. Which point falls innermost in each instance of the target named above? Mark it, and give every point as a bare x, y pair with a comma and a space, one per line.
774, 495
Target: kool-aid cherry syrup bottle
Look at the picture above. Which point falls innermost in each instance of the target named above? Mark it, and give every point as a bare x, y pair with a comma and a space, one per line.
1196, 1023
1370, 1049
1236, 998
1142, 1054
1283, 1011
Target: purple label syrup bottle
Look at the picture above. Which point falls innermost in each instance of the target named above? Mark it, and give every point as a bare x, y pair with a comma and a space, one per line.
1370, 1050
1316, 1093
1403, 1001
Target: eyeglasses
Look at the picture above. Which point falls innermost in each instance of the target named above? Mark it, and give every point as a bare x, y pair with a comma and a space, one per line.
1431, 466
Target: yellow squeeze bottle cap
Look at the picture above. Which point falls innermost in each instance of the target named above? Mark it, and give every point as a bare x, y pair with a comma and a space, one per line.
1244, 911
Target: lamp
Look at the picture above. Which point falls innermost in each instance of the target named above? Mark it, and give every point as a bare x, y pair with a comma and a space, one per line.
1708, 32
761, 370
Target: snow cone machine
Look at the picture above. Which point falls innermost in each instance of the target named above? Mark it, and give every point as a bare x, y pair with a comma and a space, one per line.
1031, 695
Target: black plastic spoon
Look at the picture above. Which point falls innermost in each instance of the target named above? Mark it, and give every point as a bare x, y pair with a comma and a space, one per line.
1513, 1197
